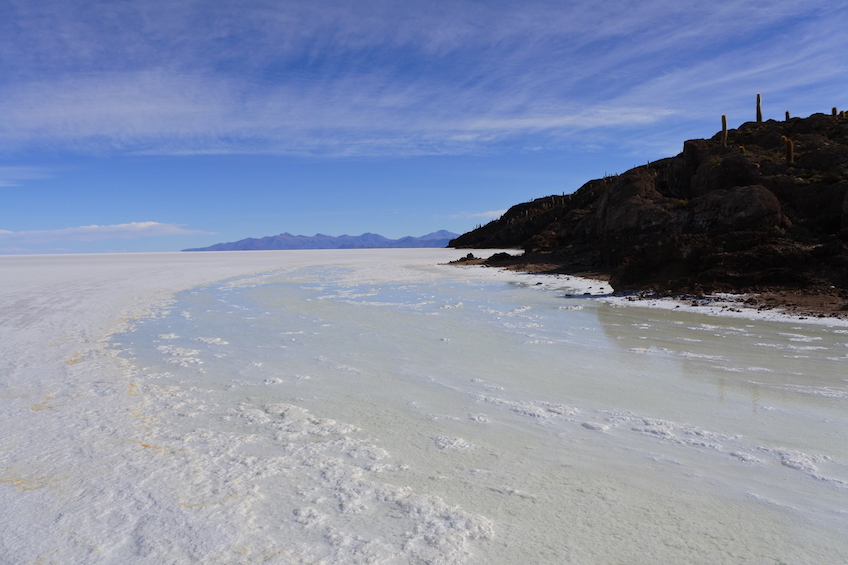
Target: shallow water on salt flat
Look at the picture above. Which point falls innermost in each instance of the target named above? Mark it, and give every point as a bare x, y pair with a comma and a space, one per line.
331, 414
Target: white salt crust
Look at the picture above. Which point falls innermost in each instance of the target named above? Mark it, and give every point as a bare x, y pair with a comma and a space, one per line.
92, 485
106, 460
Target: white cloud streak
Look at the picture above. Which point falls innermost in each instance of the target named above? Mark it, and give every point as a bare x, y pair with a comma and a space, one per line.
490, 215
12, 176
376, 77
132, 230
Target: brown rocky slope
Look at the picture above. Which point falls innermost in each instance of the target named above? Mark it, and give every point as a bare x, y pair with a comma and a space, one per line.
765, 211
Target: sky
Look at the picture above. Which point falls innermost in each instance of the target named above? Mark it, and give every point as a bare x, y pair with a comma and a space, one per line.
158, 125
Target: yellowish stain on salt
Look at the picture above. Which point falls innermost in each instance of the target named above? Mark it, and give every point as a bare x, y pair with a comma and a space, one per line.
76, 358
134, 391
24, 484
159, 448
145, 419
44, 405
147, 445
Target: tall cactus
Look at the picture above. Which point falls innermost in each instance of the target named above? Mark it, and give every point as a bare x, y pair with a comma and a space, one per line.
787, 115
790, 151
759, 109
724, 130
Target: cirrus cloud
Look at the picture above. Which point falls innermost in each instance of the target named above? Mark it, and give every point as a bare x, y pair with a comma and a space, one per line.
490, 215
14, 176
396, 78
131, 230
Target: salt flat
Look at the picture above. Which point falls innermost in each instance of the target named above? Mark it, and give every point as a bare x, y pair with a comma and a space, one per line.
372, 406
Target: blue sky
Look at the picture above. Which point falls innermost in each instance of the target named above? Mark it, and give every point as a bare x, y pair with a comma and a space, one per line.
148, 125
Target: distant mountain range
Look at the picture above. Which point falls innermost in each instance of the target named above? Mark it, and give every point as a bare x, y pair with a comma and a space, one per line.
320, 241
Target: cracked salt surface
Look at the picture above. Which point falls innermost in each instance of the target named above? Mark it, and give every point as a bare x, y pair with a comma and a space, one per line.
523, 426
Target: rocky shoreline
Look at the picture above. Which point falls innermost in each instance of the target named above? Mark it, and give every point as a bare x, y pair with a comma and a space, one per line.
760, 212
819, 302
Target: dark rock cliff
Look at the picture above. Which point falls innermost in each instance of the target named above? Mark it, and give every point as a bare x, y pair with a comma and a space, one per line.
766, 209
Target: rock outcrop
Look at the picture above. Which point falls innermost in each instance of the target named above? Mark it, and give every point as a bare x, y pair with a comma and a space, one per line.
743, 215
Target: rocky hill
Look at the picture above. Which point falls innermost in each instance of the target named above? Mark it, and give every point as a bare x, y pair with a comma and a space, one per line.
759, 207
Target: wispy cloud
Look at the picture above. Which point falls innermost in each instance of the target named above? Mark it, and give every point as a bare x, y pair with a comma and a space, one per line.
12, 176
132, 230
382, 78
490, 215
